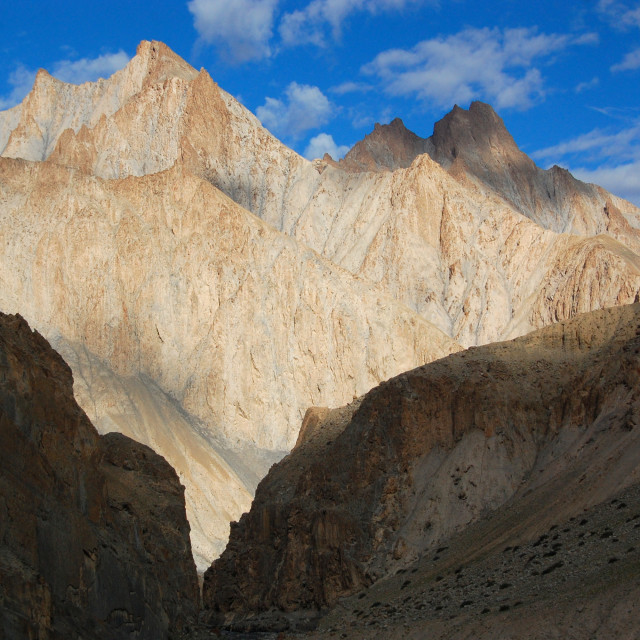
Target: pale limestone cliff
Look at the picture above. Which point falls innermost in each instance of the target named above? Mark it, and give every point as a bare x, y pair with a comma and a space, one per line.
122, 246
191, 324
444, 238
32, 130
475, 146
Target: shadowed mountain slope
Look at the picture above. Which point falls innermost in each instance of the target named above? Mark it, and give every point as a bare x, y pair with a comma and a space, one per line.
95, 540
482, 449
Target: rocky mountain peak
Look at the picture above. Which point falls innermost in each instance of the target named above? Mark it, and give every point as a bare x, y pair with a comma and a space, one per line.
388, 147
477, 135
159, 62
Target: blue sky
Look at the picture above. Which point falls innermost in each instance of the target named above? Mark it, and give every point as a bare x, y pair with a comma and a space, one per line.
565, 77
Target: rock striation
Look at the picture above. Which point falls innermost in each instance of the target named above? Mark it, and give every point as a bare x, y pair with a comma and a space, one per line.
208, 285
93, 531
545, 426
189, 321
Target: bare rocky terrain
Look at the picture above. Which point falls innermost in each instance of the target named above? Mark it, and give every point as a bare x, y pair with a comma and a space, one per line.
94, 539
207, 285
457, 499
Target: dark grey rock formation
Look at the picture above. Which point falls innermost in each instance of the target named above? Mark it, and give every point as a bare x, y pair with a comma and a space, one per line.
94, 540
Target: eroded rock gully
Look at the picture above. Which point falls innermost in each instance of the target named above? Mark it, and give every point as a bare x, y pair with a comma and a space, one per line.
94, 540
518, 435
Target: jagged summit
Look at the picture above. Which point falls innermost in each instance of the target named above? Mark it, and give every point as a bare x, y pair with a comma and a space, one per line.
32, 129
475, 147
388, 147
160, 62
132, 250
476, 132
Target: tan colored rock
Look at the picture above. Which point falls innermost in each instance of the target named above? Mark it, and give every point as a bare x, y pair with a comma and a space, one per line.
32, 130
429, 234
219, 485
189, 322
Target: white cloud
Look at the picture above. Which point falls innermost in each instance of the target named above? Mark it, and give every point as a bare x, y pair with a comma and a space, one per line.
310, 24
21, 80
239, 29
89, 69
324, 143
629, 62
351, 87
589, 84
621, 180
74, 71
621, 13
605, 157
304, 108
484, 63
596, 145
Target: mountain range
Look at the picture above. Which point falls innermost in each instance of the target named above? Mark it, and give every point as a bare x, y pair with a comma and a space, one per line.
207, 285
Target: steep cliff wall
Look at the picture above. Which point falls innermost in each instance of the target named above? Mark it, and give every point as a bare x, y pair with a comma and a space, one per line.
93, 531
372, 487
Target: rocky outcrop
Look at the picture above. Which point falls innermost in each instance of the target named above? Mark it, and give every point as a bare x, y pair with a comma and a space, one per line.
387, 148
535, 569
189, 322
474, 144
93, 533
373, 487
475, 147
194, 325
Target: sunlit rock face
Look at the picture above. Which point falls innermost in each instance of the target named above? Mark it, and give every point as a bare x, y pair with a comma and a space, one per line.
207, 284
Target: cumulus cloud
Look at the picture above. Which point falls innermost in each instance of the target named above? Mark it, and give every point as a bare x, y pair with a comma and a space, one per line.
312, 23
20, 80
89, 69
304, 107
324, 143
491, 64
74, 71
239, 29
629, 62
